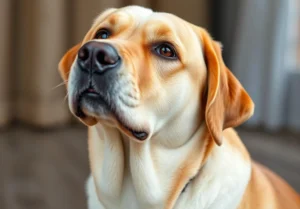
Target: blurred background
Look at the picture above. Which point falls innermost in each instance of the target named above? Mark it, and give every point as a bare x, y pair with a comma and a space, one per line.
43, 151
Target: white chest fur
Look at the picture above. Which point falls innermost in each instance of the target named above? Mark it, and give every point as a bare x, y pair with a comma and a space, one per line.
142, 178
221, 182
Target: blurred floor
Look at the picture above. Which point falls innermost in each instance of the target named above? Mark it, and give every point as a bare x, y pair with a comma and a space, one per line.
43, 170
47, 169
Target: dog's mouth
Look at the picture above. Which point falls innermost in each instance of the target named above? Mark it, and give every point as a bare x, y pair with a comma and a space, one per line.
90, 103
88, 93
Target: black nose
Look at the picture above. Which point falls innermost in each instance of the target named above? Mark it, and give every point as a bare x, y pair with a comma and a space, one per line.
98, 57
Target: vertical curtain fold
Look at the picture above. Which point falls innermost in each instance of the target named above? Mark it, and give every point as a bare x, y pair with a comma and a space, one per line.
260, 56
41, 40
5, 64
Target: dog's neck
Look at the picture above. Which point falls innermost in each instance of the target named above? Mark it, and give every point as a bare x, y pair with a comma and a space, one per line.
119, 164
152, 174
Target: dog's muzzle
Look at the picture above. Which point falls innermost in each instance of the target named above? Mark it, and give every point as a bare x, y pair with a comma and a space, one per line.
98, 91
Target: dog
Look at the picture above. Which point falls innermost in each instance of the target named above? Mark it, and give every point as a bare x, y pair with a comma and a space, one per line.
160, 106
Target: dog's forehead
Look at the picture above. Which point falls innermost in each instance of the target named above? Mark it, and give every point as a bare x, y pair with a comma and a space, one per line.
139, 17
138, 12
135, 13
141, 14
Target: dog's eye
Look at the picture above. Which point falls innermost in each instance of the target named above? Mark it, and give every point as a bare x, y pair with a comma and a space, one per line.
102, 34
166, 51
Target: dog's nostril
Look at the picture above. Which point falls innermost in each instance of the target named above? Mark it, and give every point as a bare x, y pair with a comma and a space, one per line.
83, 54
106, 59
101, 57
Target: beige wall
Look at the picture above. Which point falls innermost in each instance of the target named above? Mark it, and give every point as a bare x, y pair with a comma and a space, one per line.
36, 33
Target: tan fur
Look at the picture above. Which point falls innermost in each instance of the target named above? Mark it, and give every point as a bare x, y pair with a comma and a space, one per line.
228, 103
215, 101
267, 190
190, 167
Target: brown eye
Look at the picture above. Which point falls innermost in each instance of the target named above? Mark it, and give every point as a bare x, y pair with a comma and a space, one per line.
166, 51
102, 34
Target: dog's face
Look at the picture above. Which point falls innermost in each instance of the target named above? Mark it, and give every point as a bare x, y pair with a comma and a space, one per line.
136, 69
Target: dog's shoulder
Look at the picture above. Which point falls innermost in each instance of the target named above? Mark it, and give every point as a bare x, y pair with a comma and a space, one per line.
268, 190
234, 141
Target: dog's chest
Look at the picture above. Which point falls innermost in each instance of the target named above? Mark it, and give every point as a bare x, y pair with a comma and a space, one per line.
207, 191
128, 197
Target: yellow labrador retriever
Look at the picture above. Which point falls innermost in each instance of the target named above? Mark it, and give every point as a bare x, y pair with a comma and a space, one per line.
160, 103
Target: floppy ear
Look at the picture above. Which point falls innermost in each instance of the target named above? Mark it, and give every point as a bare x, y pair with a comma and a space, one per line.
66, 62
228, 104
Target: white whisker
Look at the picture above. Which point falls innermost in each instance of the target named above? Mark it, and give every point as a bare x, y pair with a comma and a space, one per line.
66, 97
61, 84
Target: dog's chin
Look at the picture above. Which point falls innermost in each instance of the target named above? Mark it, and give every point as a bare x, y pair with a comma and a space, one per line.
91, 109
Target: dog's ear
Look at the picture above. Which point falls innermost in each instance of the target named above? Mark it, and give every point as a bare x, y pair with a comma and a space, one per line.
228, 104
66, 62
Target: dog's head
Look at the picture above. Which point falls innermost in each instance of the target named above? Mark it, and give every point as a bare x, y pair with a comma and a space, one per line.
138, 70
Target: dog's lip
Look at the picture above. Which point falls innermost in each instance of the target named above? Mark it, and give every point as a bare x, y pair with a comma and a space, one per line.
89, 91
140, 135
